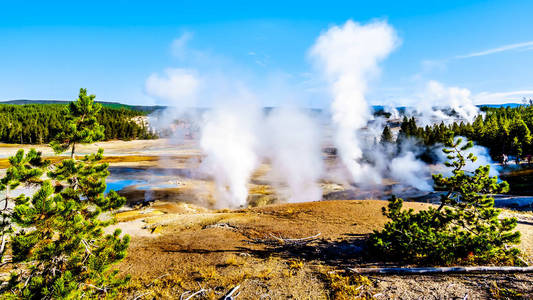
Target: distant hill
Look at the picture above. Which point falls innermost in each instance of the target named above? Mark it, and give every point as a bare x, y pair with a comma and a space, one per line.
147, 109
512, 105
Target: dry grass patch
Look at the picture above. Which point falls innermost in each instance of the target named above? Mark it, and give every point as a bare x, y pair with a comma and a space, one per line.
258, 279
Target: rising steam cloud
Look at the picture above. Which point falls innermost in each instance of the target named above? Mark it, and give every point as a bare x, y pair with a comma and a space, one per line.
348, 57
230, 143
237, 138
294, 149
237, 135
436, 97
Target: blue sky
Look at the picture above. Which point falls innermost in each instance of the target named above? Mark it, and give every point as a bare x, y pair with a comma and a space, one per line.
48, 50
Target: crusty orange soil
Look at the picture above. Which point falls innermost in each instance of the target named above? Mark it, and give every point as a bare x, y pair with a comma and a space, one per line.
193, 247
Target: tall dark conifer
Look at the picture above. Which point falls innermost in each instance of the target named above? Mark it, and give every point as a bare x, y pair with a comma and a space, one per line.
59, 249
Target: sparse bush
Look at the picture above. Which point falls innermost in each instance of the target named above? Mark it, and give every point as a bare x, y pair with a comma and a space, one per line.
465, 228
295, 264
207, 273
348, 286
503, 293
233, 260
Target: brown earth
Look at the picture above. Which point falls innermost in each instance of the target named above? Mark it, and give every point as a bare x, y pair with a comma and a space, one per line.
184, 248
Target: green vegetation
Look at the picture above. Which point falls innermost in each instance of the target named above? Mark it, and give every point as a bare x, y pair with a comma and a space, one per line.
465, 228
80, 126
386, 135
142, 108
502, 130
39, 123
56, 237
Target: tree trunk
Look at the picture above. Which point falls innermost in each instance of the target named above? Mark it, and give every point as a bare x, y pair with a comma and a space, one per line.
73, 149
429, 270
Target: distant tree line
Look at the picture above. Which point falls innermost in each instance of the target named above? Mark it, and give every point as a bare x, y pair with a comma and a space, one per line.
504, 131
39, 123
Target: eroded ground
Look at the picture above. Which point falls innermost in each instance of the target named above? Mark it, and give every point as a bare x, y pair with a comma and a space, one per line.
187, 248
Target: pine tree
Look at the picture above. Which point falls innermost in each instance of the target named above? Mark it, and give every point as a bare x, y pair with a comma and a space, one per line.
23, 168
60, 249
386, 135
81, 125
465, 228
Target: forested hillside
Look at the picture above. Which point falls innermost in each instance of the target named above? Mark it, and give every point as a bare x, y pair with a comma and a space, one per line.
504, 130
144, 108
39, 123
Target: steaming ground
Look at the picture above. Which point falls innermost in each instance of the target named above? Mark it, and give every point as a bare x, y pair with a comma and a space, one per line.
151, 170
237, 136
180, 242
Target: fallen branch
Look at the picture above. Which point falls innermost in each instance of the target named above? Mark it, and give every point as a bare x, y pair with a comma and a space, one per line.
296, 241
229, 296
3, 245
5, 262
435, 270
182, 297
164, 275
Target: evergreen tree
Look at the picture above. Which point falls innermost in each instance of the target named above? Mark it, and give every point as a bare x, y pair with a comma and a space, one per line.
60, 249
81, 124
465, 228
386, 135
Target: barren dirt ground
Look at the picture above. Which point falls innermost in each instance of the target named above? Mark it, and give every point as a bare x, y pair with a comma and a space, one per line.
187, 248
156, 147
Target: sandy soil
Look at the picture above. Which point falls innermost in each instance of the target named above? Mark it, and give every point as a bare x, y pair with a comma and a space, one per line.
157, 147
183, 248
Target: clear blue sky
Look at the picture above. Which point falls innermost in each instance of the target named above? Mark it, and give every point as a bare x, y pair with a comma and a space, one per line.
49, 49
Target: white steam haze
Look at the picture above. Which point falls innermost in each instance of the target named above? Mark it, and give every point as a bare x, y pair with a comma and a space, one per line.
230, 142
435, 97
393, 111
177, 88
294, 150
348, 57
237, 136
410, 171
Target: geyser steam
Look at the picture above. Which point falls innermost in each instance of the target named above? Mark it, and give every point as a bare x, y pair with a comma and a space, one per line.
238, 135
229, 140
294, 144
436, 96
348, 56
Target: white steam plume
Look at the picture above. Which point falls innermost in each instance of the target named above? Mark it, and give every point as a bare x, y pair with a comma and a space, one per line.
436, 97
177, 87
229, 140
393, 111
407, 170
348, 56
294, 150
